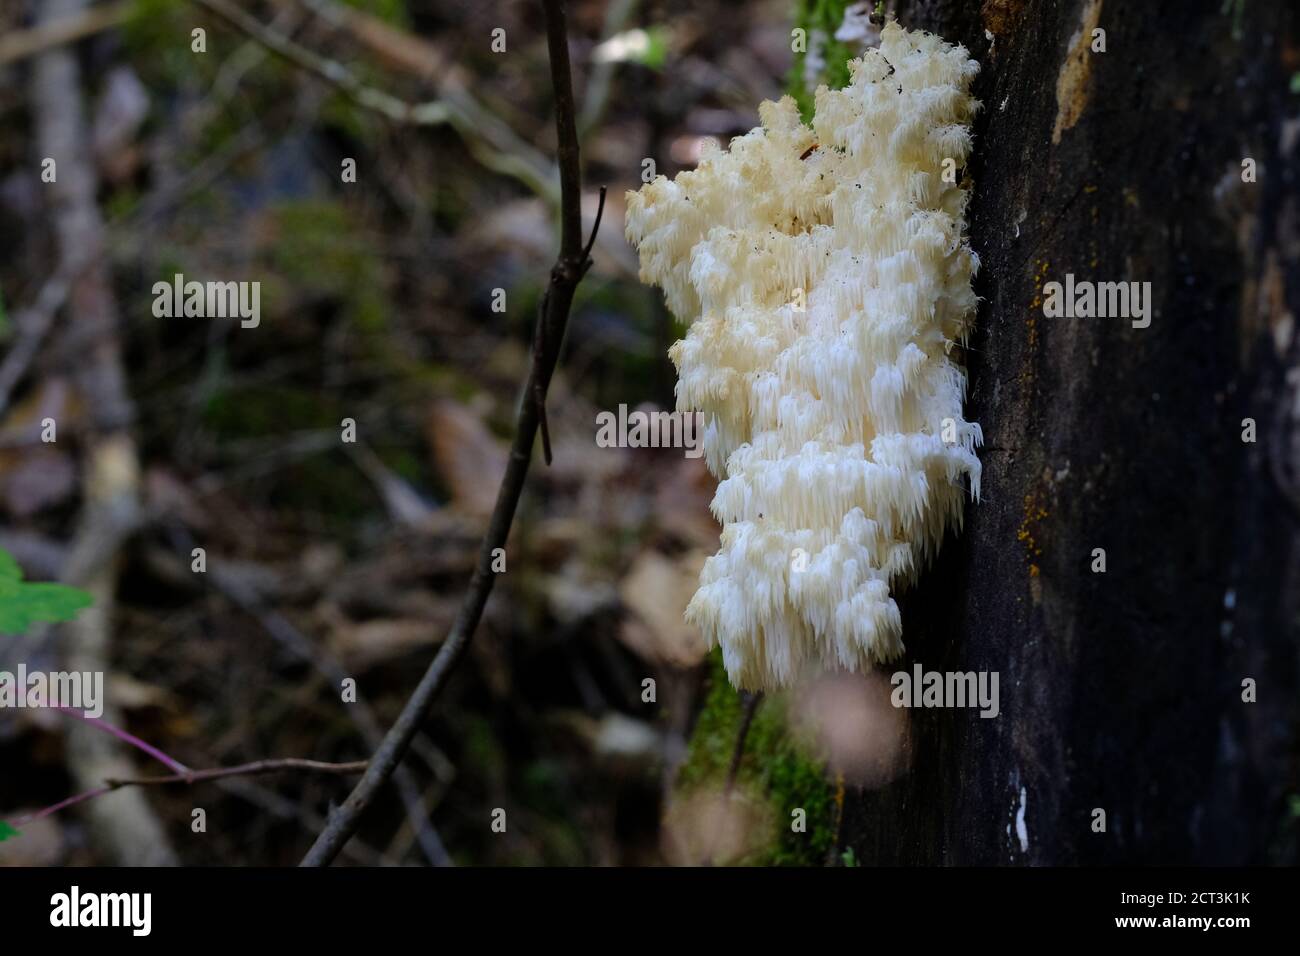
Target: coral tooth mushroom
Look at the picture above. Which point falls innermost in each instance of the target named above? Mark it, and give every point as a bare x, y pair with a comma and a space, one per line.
825, 290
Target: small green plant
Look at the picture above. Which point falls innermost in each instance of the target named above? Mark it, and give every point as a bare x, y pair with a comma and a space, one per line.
819, 19
778, 768
655, 54
23, 603
1237, 10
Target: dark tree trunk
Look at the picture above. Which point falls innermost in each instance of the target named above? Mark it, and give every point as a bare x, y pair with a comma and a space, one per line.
1120, 690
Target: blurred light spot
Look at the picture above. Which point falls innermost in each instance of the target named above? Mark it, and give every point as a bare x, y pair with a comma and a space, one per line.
629, 45
687, 150
708, 828
856, 728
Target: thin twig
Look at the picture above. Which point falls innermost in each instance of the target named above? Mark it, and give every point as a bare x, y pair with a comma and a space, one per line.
490, 140
538, 396
280, 629
569, 269
61, 805
595, 228
34, 324
169, 762
126, 832
432, 113
750, 705
255, 769
21, 44
539, 338
493, 143
269, 801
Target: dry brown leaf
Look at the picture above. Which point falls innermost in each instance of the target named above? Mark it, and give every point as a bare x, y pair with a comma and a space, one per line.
168, 496
682, 504
131, 694
470, 460
657, 590
360, 646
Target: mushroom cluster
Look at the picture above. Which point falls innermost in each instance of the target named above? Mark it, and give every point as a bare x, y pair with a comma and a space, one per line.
826, 279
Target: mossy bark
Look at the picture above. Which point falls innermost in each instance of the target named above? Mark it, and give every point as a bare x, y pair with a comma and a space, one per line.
778, 774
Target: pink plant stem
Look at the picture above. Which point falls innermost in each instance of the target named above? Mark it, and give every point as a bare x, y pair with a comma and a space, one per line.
256, 768
61, 805
175, 766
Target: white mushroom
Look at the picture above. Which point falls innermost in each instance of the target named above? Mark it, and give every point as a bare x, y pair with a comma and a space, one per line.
826, 276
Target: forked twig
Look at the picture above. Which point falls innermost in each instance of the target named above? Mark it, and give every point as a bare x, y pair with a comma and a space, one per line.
570, 267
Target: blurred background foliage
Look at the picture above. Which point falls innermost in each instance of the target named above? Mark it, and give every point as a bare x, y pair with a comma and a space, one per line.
376, 301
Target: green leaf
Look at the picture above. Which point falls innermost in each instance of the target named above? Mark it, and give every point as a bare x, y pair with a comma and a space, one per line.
7, 832
656, 52
23, 603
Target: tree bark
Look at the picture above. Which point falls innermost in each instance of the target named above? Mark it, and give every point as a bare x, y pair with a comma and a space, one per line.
1122, 690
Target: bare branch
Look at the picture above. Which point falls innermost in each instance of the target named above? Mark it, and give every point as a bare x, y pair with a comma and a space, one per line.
21, 44
281, 630
167, 761
127, 832
568, 271
255, 769
34, 324
432, 113
492, 143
